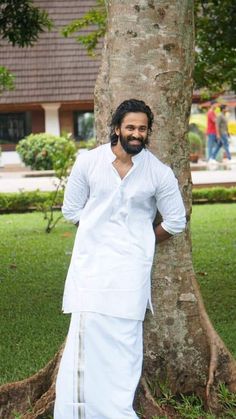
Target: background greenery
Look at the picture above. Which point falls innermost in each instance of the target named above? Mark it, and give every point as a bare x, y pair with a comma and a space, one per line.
214, 258
25, 201
33, 270
45, 151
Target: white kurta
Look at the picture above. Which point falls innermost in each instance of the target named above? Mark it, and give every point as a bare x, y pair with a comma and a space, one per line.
113, 252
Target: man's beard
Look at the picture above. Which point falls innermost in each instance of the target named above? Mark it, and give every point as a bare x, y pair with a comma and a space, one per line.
133, 148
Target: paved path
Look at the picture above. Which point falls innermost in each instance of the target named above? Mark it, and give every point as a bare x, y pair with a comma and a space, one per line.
209, 178
14, 177
17, 184
10, 182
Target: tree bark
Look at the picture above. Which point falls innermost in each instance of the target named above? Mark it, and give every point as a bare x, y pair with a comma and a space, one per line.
149, 55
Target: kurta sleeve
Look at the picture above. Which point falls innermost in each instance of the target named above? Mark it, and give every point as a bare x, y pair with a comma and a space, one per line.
170, 204
76, 191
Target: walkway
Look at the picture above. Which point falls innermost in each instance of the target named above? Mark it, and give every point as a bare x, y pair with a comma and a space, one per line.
14, 177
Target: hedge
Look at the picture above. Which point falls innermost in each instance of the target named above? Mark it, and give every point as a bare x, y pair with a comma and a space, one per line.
29, 201
215, 194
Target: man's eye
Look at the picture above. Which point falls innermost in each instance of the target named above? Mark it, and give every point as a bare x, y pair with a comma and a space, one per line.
143, 129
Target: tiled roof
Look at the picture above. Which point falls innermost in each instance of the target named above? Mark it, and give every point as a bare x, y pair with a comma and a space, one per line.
55, 69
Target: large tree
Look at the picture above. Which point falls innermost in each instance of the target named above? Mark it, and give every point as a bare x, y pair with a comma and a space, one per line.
149, 55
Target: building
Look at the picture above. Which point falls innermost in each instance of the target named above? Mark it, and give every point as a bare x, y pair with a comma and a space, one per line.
54, 81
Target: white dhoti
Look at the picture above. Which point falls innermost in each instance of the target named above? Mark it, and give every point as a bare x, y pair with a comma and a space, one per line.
100, 368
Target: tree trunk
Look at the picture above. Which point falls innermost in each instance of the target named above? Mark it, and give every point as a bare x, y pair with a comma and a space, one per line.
149, 55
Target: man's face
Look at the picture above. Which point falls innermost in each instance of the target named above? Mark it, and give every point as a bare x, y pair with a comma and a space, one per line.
133, 132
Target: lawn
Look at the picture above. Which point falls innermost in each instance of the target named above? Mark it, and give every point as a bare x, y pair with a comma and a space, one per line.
214, 257
32, 274
33, 270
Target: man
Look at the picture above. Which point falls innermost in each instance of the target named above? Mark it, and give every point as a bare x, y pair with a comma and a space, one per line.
222, 126
211, 131
113, 193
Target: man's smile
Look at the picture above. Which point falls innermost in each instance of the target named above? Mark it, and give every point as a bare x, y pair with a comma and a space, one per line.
135, 141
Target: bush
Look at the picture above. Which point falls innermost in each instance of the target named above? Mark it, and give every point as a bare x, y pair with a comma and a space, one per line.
90, 144
215, 194
42, 151
195, 142
27, 201
201, 132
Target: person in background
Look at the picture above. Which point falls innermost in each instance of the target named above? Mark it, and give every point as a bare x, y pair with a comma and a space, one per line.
222, 128
212, 133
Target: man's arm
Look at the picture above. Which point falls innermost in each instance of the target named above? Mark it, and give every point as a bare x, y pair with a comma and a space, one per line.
161, 233
170, 206
77, 191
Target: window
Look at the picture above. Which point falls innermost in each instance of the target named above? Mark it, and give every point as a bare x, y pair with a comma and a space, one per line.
84, 126
14, 126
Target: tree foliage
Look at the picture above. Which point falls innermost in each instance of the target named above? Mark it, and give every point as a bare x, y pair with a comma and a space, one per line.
215, 61
96, 17
21, 22
6, 79
215, 44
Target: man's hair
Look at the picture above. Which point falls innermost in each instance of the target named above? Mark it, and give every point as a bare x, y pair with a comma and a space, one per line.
222, 107
131, 105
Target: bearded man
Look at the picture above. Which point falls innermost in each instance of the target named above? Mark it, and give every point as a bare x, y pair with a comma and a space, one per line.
113, 193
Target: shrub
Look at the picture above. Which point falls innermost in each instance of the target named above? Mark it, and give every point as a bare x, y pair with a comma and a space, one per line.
201, 132
195, 142
27, 201
92, 143
43, 151
215, 194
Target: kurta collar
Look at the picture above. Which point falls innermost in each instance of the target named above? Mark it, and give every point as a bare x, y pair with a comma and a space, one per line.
135, 159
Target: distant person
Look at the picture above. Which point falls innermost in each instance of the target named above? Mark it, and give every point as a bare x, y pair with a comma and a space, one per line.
222, 128
211, 130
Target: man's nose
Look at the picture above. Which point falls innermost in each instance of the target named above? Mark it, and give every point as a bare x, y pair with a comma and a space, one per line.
136, 133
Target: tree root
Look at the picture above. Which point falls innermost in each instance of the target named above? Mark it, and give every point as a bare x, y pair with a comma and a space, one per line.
32, 397
146, 402
222, 366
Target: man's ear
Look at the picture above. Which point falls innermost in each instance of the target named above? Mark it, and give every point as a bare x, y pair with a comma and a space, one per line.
117, 131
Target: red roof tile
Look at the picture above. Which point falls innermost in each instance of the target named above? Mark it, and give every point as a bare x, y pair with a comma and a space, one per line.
55, 69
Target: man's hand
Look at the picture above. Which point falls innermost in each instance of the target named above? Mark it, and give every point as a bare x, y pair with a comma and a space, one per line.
161, 233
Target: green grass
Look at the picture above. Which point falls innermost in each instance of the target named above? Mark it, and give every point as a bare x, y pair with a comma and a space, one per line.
214, 257
32, 274
34, 266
